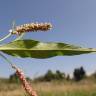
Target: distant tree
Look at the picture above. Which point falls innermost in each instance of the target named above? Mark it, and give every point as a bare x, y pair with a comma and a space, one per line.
79, 73
59, 75
14, 79
49, 76
76, 74
68, 77
82, 72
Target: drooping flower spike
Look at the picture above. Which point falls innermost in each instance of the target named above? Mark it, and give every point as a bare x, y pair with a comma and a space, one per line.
24, 82
31, 27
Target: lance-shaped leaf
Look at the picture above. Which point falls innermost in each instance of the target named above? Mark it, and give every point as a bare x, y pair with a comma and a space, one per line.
37, 49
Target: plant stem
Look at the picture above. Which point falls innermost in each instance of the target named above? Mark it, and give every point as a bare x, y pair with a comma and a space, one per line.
18, 38
6, 59
7, 36
22, 78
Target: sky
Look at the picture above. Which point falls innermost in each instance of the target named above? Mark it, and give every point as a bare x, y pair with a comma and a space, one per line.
74, 22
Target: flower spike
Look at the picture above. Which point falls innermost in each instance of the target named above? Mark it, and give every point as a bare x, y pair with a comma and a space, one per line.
31, 27
24, 82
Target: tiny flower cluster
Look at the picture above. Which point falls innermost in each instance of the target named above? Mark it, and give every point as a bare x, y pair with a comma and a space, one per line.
31, 27
24, 82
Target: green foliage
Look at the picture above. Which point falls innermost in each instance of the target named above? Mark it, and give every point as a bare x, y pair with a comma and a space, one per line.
59, 75
49, 76
14, 78
79, 73
37, 49
74, 93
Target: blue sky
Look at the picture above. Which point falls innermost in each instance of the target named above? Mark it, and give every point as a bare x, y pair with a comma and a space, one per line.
74, 22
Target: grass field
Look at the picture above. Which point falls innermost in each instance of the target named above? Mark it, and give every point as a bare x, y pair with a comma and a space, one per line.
83, 88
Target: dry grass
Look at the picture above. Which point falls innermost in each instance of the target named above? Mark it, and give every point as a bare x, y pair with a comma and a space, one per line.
51, 89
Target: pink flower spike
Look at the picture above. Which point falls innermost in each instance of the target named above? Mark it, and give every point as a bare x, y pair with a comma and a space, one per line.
24, 82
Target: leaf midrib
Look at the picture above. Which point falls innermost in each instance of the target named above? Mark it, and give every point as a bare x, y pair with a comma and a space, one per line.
24, 49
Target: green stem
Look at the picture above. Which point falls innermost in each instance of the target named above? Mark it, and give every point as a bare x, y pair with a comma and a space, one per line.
5, 37
21, 36
6, 59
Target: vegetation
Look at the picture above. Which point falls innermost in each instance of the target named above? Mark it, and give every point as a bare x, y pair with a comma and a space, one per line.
50, 76
84, 87
14, 78
37, 49
79, 73
54, 84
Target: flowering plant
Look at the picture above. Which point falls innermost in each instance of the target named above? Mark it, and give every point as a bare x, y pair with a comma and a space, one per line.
36, 49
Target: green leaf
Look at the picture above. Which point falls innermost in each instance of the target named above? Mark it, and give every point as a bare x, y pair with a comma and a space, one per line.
37, 49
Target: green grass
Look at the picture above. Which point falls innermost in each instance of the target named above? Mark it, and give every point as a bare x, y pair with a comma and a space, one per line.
82, 93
